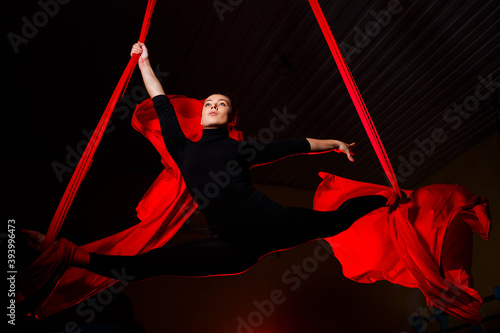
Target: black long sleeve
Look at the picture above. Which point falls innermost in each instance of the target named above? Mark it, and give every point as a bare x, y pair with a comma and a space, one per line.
172, 133
272, 151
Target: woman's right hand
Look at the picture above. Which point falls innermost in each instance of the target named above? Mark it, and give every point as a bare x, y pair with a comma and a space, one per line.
153, 86
140, 48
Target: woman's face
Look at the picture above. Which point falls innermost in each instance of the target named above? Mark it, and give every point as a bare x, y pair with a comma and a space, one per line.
216, 112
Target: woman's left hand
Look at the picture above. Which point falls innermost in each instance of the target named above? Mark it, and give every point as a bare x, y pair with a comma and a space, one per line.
346, 148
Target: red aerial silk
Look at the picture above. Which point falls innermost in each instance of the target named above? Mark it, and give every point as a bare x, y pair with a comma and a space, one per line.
417, 230
358, 101
89, 152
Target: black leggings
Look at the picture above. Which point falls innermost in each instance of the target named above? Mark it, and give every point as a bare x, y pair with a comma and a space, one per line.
237, 248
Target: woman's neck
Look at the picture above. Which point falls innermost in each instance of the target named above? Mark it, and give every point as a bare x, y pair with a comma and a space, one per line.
215, 133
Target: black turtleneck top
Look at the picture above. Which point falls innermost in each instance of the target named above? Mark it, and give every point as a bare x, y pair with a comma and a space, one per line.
216, 168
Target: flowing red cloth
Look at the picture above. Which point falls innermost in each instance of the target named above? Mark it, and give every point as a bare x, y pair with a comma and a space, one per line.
162, 211
425, 243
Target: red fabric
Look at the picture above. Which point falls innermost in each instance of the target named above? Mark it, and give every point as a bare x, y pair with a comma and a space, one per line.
358, 101
415, 245
409, 247
38, 280
88, 155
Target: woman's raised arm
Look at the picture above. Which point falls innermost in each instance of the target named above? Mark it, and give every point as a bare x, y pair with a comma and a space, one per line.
153, 85
172, 133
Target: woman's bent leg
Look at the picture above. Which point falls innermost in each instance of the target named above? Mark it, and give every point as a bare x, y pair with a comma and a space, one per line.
301, 225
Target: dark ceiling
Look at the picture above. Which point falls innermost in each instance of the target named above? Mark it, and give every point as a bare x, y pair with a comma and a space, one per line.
428, 71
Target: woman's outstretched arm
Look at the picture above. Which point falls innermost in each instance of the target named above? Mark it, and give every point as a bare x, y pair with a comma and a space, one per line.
258, 153
319, 145
153, 85
172, 133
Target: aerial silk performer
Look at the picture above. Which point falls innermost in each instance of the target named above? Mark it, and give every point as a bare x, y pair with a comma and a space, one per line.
406, 237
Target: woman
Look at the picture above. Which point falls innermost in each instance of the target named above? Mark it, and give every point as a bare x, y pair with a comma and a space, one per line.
245, 225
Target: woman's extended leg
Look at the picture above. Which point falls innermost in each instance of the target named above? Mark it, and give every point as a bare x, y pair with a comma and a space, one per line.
203, 257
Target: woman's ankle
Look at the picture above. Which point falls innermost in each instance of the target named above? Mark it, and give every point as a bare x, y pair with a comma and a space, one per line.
81, 258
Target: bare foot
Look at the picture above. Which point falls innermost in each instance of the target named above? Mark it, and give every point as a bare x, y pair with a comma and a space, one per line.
34, 238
